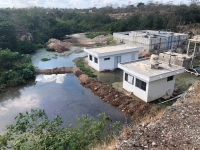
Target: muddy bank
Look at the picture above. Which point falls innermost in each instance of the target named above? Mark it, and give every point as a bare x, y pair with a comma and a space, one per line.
107, 93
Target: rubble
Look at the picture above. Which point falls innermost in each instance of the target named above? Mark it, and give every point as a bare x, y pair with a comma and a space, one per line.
178, 127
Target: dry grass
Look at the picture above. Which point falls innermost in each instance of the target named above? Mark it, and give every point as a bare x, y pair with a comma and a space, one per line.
105, 146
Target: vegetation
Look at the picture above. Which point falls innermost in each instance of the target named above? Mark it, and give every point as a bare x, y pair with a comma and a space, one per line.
46, 59
92, 35
50, 49
81, 64
34, 130
110, 41
15, 68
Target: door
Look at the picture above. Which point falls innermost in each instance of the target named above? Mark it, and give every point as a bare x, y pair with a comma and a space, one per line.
133, 56
117, 60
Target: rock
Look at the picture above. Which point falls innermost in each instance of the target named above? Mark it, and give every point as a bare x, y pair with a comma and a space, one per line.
153, 143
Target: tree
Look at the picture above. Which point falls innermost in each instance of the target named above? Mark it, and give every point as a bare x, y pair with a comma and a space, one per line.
8, 37
140, 4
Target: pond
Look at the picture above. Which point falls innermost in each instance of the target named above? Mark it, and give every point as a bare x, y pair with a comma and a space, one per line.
60, 94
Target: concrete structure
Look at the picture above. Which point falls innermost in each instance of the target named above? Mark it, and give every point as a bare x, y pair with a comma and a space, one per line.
152, 40
182, 60
107, 58
196, 41
148, 83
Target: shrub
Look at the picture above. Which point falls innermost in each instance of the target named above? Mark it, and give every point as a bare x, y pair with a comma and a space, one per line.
50, 49
45, 59
34, 130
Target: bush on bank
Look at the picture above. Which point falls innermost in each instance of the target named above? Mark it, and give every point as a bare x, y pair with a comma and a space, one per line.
34, 130
15, 68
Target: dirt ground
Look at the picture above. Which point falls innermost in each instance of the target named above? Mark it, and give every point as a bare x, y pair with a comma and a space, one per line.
177, 129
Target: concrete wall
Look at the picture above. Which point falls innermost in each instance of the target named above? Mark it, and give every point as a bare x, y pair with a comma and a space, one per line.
135, 90
92, 63
120, 36
162, 40
179, 61
159, 88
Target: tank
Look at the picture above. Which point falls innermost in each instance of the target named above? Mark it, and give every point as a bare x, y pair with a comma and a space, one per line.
154, 61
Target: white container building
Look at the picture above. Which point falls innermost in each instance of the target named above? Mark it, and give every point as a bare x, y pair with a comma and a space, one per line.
108, 57
149, 82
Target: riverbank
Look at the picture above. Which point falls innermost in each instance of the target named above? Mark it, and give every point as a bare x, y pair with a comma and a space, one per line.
137, 109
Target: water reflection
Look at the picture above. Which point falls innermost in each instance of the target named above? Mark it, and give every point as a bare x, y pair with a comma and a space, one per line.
59, 78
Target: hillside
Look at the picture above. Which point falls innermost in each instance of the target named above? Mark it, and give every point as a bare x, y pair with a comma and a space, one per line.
178, 127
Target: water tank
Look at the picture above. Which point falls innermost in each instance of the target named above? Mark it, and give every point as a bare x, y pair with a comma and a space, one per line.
154, 61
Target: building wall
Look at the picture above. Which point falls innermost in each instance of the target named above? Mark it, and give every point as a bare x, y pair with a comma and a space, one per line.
110, 64
135, 90
92, 63
120, 36
161, 41
159, 88
154, 90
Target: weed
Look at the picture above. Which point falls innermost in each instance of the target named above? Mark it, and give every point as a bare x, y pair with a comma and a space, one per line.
45, 59
80, 63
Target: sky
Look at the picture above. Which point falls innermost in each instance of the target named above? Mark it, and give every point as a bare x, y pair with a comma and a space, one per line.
76, 3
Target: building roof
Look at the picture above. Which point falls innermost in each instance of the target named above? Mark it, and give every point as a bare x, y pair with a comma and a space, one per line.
110, 50
142, 69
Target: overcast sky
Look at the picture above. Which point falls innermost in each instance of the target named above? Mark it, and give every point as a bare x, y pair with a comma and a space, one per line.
75, 3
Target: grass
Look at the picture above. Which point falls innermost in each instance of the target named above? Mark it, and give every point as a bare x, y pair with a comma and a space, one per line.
81, 64
45, 59
92, 35
164, 105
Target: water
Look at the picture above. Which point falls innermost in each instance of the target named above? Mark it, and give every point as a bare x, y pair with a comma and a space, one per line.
60, 94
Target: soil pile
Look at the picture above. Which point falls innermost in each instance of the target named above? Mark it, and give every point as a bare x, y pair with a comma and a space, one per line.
178, 127
101, 38
58, 45
107, 93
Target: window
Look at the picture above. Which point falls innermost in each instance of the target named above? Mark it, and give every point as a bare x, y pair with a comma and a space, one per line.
107, 58
170, 78
129, 78
140, 84
95, 60
90, 57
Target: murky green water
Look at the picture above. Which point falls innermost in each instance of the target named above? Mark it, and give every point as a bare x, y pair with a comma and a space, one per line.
60, 94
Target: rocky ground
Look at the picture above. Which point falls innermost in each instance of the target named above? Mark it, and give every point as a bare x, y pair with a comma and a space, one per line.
177, 129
